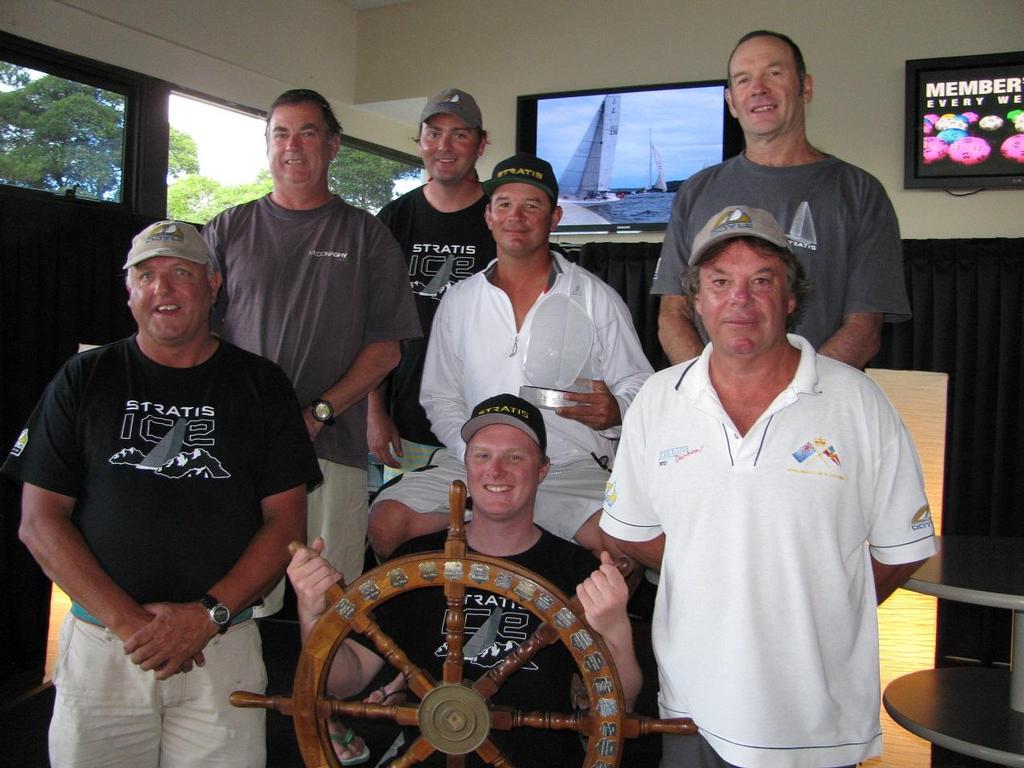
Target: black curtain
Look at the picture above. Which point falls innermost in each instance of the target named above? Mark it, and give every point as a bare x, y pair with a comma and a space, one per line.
629, 269
60, 284
966, 297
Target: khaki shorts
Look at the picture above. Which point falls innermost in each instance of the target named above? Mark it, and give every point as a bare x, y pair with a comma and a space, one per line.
110, 713
569, 495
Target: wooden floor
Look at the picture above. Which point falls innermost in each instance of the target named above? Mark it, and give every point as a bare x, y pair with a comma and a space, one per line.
906, 633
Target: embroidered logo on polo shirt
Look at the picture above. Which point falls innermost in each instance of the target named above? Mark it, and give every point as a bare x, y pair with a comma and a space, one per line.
819, 447
921, 519
610, 495
675, 455
817, 457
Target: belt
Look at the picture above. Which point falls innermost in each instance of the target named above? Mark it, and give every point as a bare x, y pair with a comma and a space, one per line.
80, 613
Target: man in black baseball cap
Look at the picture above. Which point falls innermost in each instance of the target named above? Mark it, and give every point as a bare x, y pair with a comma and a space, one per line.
524, 168
505, 464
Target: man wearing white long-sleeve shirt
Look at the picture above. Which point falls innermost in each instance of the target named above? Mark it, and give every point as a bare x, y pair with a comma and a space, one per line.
480, 336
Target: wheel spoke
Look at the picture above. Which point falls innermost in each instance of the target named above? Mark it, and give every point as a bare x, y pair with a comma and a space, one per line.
507, 718
401, 714
454, 591
417, 752
489, 683
491, 754
419, 681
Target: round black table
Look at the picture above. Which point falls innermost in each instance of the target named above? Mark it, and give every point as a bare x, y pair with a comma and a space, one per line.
973, 711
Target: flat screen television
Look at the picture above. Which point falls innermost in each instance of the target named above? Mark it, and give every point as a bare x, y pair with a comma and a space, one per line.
621, 153
965, 122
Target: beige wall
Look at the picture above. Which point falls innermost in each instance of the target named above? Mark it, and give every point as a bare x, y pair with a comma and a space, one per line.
855, 49
244, 51
248, 52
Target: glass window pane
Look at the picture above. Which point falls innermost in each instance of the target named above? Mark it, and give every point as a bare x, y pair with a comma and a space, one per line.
218, 158
368, 180
60, 135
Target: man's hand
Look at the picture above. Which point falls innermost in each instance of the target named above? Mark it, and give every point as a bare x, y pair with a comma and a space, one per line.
604, 596
382, 438
311, 576
598, 409
173, 640
312, 425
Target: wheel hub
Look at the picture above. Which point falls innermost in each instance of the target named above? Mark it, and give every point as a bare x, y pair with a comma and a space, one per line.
454, 719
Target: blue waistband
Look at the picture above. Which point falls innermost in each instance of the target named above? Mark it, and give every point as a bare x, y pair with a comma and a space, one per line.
80, 613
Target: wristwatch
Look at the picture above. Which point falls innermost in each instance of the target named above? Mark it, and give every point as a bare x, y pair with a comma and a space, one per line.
323, 412
219, 613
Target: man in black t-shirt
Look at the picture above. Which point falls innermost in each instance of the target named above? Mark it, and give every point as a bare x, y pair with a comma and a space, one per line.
441, 229
505, 462
164, 476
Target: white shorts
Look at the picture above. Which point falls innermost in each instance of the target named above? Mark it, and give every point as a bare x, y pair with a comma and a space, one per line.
110, 713
569, 495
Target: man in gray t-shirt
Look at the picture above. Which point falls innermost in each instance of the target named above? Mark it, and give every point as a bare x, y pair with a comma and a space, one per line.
319, 287
839, 220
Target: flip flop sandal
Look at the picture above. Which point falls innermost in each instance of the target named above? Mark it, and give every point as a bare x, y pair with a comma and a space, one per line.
343, 740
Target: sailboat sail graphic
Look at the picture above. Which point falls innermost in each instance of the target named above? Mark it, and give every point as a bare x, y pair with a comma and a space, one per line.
801, 231
168, 447
655, 163
589, 172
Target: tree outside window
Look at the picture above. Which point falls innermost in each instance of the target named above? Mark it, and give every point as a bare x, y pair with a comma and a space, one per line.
60, 135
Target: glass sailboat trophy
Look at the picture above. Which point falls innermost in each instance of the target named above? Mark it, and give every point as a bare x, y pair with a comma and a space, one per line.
558, 354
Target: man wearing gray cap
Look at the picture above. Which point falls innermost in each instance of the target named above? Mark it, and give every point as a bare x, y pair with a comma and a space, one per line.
782, 499
441, 229
164, 476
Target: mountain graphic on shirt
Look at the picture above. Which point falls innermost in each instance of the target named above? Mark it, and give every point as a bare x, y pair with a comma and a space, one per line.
197, 463
490, 656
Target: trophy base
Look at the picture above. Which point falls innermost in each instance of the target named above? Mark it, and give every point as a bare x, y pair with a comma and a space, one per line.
543, 397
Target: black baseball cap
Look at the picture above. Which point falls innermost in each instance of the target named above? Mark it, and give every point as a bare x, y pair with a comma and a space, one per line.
511, 410
524, 168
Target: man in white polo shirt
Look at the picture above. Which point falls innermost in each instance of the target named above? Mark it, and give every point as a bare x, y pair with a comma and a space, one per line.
781, 497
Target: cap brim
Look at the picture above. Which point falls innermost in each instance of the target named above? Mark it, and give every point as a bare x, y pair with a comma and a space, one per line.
477, 423
492, 184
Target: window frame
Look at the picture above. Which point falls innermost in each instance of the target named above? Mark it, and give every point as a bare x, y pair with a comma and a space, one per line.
146, 138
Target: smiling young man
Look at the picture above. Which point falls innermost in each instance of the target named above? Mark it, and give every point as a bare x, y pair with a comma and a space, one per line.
781, 497
839, 219
164, 476
318, 286
477, 349
505, 463
441, 230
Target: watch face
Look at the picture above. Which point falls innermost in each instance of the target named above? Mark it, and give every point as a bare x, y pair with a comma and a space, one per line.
322, 411
220, 614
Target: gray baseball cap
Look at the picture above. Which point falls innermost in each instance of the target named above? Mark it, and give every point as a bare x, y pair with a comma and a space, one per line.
169, 238
452, 101
737, 221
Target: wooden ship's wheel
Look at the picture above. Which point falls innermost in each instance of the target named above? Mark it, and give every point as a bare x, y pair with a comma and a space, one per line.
456, 716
